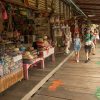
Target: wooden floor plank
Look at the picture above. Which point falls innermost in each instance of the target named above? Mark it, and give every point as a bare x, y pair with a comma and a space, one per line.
80, 80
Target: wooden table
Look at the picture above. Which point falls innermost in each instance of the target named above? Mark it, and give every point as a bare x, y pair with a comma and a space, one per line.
26, 66
47, 53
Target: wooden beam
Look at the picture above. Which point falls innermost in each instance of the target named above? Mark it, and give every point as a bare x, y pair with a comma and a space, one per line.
98, 13
87, 10
91, 13
94, 17
96, 22
90, 8
89, 4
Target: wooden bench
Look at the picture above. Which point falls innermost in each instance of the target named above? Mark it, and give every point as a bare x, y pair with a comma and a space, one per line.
26, 66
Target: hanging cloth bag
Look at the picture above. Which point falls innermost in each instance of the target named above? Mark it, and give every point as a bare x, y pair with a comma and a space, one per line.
4, 13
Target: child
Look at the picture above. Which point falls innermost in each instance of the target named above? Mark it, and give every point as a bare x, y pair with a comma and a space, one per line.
77, 47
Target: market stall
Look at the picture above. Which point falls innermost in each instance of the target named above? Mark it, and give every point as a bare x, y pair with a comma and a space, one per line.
26, 37
11, 66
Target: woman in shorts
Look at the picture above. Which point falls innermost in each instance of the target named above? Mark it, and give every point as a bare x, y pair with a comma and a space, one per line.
88, 43
77, 47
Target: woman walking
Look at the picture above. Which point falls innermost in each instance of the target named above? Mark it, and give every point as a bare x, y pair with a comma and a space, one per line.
77, 47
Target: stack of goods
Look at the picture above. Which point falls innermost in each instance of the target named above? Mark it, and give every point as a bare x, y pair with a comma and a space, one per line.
33, 52
46, 43
7, 64
16, 59
10, 62
40, 43
30, 55
43, 43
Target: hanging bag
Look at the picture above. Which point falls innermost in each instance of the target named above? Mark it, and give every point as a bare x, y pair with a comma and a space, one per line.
4, 12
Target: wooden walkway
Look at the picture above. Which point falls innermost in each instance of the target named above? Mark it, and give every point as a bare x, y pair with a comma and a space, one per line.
73, 81
37, 77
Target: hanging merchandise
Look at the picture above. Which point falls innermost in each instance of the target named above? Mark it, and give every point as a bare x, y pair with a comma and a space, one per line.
52, 20
60, 32
32, 3
50, 5
57, 6
26, 2
4, 12
23, 11
57, 20
42, 4
62, 8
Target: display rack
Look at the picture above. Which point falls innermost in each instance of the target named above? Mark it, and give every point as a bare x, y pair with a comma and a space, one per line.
11, 70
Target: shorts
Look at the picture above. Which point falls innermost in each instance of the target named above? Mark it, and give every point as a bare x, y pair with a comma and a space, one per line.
88, 48
77, 48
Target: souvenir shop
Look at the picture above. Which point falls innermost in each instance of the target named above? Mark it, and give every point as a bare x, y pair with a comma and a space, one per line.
30, 30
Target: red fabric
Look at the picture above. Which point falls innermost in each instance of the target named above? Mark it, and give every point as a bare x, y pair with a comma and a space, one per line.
4, 14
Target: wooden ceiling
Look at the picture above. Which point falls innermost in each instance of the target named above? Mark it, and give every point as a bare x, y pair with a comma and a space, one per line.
90, 7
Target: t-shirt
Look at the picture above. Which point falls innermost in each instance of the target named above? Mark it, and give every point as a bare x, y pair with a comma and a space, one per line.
77, 41
88, 37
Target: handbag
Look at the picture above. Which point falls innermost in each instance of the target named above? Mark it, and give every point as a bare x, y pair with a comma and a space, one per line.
97, 37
